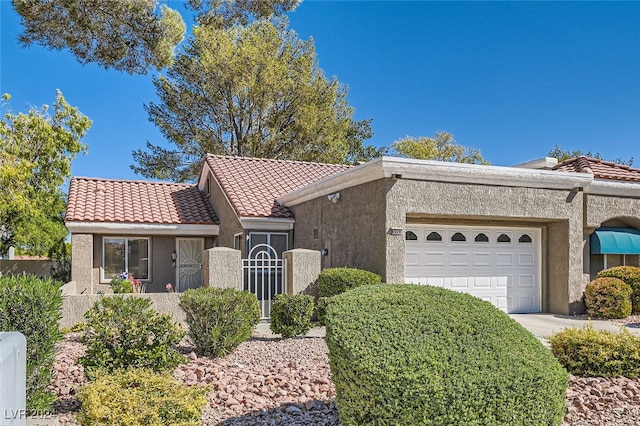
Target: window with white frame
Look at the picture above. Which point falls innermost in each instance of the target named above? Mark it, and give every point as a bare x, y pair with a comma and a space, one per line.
121, 254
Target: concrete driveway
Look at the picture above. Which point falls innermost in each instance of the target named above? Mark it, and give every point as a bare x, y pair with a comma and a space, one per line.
544, 325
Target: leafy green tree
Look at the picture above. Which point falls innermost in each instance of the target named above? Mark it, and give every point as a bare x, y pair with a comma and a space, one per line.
226, 13
563, 155
36, 150
253, 90
126, 35
441, 147
134, 36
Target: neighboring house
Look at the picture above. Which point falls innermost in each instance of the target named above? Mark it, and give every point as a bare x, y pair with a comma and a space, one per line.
527, 238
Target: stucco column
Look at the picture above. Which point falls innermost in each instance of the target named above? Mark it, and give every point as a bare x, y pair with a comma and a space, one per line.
222, 268
302, 270
82, 262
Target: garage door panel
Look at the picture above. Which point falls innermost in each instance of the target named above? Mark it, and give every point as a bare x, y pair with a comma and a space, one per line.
504, 259
505, 272
460, 283
526, 259
526, 281
459, 259
481, 259
434, 258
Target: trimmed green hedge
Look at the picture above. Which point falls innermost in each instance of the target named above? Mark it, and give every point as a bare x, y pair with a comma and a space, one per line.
631, 276
291, 314
33, 307
332, 281
608, 298
587, 352
404, 354
219, 319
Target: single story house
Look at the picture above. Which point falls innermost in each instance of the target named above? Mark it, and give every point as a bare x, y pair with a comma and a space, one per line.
528, 238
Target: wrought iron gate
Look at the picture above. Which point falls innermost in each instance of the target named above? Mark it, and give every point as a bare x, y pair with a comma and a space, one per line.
263, 275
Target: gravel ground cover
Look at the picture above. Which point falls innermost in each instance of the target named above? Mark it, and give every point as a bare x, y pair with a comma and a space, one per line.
270, 381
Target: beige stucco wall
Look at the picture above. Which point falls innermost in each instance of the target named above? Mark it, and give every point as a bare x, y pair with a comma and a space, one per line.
356, 230
302, 271
229, 223
601, 208
75, 306
41, 268
82, 262
352, 230
559, 211
222, 268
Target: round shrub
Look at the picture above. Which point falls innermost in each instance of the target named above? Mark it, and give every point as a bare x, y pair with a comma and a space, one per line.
124, 331
140, 397
33, 307
608, 298
631, 276
588, 352
409, 354
290, 314
332, 281
219, 319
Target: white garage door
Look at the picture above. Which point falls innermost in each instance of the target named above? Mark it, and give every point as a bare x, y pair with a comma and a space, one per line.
499, 265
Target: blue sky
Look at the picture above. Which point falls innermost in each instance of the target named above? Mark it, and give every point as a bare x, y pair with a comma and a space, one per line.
512, 79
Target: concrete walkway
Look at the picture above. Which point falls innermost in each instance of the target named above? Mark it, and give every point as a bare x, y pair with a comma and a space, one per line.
540, 325
544, 325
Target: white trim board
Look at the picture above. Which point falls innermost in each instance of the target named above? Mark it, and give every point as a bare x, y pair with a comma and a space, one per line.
145, 229
267, 223
438, 171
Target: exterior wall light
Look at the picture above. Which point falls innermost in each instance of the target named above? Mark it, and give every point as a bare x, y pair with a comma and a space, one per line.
334, 197
174, 256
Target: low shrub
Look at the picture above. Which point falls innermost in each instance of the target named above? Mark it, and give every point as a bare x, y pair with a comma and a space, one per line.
140, 397
588, 352
123, 332
332, 281
79, 326
219, 319
321, 309
408, 354
291, 314
33, 307
121, 285
631, 276
608, 298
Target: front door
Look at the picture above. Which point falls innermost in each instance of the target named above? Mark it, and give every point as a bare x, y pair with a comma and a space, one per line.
189, 266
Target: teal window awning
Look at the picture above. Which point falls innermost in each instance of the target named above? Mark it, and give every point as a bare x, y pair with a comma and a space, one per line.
615, 241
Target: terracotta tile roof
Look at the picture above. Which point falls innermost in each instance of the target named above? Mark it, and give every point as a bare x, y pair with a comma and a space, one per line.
253, 184
600, 169
131, 201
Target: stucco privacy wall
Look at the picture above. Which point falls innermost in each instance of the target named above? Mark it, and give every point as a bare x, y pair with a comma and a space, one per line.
82, 263
41, 268
222, 268
75, 306
352, 229
303, 269
501, 205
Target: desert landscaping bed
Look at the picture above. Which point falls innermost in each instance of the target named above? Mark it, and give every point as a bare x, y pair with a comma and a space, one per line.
270, 381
